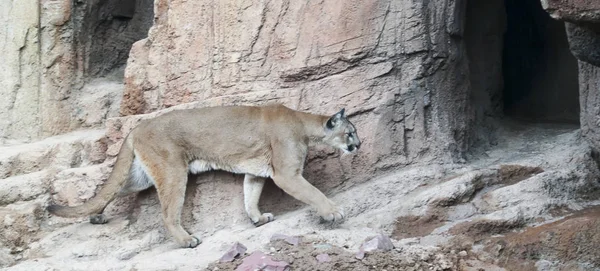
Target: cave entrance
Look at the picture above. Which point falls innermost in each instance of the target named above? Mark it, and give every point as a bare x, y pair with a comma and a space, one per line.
540, 73
520, 64
108, 31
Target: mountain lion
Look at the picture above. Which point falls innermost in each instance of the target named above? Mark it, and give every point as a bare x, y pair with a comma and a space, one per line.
260, 142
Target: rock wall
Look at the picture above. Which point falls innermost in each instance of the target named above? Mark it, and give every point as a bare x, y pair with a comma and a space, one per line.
398, 67
589, 83
583, 30
52, 49
421, 80
19, 70
484, 38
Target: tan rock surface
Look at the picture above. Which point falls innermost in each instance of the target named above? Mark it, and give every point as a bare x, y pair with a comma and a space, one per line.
401, 70
374, 58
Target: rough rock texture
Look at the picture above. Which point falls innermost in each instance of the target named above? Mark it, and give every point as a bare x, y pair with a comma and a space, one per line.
19, 68
422, 81
69, 166
584, 41
573, 10
583, 30
589, 83
51, 50
60, 78
397, 66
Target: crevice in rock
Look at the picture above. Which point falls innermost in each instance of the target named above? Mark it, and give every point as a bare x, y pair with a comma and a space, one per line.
107, 31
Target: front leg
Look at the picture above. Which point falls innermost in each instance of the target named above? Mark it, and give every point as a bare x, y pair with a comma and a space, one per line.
299, 188
252, 189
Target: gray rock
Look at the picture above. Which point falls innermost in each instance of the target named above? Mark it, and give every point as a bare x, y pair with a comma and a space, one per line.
379, 242
292, 240
323, 258
259, 261
584, 42
236, 250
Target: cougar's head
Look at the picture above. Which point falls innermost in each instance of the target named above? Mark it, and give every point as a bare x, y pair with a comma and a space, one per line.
340, 133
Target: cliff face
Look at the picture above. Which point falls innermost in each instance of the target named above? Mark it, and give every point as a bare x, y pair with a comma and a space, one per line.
396, 66
437, 90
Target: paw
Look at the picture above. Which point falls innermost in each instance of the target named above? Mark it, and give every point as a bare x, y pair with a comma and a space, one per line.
98, 219
264, 219
334, 216
191, 242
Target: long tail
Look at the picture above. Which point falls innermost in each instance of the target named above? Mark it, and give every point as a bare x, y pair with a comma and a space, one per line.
118, 178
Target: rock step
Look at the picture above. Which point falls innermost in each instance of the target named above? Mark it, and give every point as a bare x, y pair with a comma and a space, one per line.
70, 186
74, 186
24, 187
75, 149
18, 223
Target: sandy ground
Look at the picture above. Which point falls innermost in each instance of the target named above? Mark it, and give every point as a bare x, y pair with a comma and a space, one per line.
440, 217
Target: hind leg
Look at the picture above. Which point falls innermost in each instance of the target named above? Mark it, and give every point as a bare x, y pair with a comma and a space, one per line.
252, 189
170, 184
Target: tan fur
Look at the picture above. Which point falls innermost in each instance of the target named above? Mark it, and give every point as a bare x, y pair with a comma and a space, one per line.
260, 142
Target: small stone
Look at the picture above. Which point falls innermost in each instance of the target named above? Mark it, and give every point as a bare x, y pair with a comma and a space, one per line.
127, 254
323, 258
462, 253
236, 250
322, 246
292, 240
259, 261
379, 242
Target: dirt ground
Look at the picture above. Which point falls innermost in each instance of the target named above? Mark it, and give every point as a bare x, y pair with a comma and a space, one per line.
303, 257
419, 226
570, 243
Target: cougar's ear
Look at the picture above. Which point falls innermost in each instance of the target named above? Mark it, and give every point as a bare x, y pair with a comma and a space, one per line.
335, 119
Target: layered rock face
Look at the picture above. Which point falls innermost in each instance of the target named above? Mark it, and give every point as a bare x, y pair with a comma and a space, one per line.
398, 68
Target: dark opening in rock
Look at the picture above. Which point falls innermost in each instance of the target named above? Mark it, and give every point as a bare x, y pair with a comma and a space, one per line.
540, 73
519, 63
109, 29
